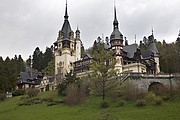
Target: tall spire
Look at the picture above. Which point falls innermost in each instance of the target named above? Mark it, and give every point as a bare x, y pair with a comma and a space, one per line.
116, 34
153, 40
115, 23
153, 46
66, 28
66, 14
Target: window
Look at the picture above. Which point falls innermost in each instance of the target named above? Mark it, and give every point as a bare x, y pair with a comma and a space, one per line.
71, 53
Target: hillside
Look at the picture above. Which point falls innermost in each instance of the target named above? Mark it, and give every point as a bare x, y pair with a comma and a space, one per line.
9, 110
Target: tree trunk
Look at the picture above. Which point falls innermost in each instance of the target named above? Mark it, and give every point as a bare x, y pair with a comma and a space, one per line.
103, 94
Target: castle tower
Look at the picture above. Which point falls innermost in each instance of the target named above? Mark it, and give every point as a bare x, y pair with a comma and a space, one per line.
78, 45
156, 54
116, 41
67, 48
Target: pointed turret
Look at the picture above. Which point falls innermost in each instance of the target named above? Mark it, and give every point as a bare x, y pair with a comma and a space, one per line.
78, 45
153, 46
66, 28
156, 54
115, 23
77, 30
116, 35
66, 13
116, 41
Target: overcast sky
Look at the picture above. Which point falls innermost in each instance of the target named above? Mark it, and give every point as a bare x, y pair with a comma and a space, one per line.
27, 24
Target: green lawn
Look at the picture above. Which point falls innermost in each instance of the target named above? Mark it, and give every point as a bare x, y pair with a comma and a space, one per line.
9, 110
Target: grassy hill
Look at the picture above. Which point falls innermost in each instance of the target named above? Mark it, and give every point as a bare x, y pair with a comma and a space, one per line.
9, 110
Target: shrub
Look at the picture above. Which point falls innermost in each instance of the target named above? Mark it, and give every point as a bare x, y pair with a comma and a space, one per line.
75, 98
104, 104
120, 103
140, 103
61, 88
71, 88
54, 103
150, 97
158, 101
2, 96
19, 92
30, 101
32, 92
131, 92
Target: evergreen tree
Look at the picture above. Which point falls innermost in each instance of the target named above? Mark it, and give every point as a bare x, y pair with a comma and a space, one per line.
47, 57
50, 69
29, 61
9, 71
20, 64
40, 60
37, 59
103, 67
70, 78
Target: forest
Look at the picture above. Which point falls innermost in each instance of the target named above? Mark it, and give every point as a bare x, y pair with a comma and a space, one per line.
11, 67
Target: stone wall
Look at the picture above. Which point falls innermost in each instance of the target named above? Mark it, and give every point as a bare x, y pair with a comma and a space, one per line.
143, 81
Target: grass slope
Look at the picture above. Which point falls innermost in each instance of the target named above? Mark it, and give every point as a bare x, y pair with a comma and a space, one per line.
9, 110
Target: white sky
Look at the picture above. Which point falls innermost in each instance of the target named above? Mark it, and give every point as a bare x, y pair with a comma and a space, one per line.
27, 24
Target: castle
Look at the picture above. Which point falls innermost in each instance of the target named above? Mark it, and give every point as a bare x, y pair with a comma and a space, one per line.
67, 50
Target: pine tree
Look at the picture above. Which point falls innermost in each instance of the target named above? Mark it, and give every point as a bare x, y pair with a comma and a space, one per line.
37, 59
50, 69
47, 57
103, 67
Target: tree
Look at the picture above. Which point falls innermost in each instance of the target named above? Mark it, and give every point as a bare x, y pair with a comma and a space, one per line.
37, 59
20, 64
47, 57
29, 61
40, 60
70, 78
103, 71
49, 70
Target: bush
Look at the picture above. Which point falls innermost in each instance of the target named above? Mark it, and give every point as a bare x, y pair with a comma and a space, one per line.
61, 88
30, 102
120, 103
158, 101
104, 104
150, 97
140, 103
71, 88
32, 92
75, 98
131, 92
54, 103
19, 92
2, 96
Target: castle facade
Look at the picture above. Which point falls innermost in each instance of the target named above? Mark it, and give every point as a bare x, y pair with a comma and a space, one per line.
129, 57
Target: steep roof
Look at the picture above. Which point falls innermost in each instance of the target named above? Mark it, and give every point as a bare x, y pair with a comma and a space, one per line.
130, 50
146, 54
153, 47
116, 34
25, 77
66, 28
